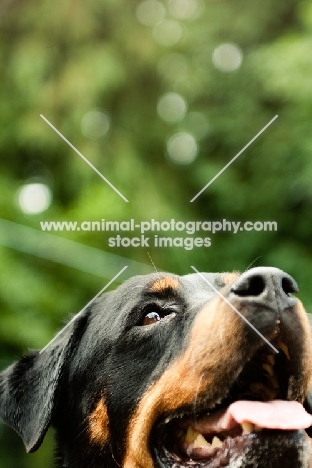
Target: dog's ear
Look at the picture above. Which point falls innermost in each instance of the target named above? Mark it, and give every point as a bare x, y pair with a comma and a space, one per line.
29, 388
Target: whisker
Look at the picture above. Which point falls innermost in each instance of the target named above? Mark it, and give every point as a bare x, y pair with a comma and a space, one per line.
254, 261
153, 264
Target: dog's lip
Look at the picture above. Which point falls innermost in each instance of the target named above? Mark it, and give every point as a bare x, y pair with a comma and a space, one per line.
226, 434
236, 440
235, 450
266, 362
275, 414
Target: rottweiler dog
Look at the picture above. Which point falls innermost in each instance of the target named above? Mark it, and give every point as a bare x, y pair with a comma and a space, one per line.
199, 371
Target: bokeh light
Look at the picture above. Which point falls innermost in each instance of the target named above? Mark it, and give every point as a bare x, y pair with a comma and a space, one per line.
167, 32
182, 148
34, 198
95, 124
150, 12
227, 57
171, 107
186, 9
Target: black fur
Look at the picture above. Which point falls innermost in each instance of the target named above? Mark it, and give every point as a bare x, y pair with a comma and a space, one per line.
106, 354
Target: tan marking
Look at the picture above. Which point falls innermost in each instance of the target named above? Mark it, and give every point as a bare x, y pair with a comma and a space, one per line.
98, 424
215, 355
301, 340
229, 278
203, 366
162, 285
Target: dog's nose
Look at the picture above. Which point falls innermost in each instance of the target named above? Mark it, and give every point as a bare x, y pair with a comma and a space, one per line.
266, 286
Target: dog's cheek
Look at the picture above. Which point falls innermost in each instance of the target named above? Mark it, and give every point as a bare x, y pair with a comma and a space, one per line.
99, 425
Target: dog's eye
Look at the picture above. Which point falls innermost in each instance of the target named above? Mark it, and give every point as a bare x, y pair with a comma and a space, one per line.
153, 314
150, 318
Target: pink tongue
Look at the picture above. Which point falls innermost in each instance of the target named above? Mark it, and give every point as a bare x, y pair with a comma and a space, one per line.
276, 414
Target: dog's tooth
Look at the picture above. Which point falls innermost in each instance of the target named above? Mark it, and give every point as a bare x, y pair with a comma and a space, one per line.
257, 428
216, 442
268, 368
285, 349
247, 427
200, 441
191, 435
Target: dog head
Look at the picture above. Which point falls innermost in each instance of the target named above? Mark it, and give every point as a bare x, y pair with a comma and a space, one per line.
202, 371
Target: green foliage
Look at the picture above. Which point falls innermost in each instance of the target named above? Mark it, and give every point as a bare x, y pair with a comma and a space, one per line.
64, 59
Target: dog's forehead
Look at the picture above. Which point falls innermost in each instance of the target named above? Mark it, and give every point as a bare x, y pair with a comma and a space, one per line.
154, 282
163, 283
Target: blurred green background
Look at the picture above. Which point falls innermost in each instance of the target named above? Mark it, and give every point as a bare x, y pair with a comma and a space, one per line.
159, 95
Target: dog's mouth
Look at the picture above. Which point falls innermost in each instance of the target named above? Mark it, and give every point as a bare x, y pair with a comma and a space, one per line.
255, 408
